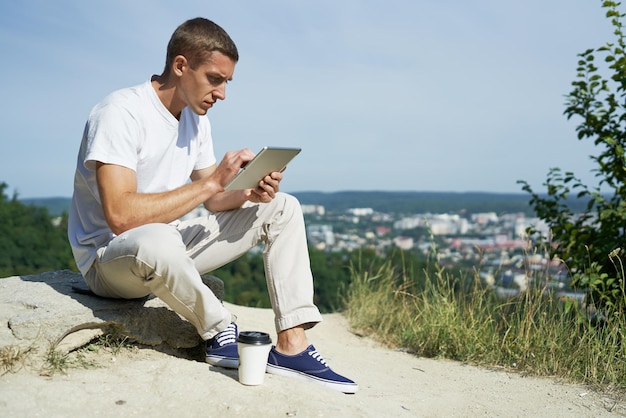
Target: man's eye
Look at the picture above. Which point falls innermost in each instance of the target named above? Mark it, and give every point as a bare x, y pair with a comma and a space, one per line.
216, 81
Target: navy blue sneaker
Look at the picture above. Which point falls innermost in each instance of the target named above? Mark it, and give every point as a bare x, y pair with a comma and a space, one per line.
221, 350
309, 365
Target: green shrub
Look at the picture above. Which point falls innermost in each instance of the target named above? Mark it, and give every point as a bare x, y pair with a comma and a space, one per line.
584, 240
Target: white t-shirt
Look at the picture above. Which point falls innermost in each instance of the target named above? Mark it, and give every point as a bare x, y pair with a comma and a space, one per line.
132, 128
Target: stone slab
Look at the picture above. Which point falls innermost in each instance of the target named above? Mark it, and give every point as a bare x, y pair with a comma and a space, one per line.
37, 310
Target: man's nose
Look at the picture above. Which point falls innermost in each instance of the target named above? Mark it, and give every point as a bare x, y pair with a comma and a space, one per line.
220, 92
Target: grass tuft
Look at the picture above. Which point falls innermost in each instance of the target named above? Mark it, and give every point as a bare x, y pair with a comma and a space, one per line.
53, 361
13, 358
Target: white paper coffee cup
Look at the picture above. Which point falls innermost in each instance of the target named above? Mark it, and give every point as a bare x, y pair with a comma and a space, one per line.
254, 348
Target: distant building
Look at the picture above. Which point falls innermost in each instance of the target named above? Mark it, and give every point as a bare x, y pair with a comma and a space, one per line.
361, 211
409, 223
404, 243
484, 218
438, 224
382, 230
320, 236
522, 224
313, 209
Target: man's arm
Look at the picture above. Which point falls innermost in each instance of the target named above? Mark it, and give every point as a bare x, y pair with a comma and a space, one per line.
124, 208
219, 202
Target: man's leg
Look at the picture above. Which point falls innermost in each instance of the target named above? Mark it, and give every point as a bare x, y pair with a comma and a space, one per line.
166, 261
225, 236
153, 259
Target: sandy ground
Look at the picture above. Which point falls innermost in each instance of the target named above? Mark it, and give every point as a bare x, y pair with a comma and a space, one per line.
148, 382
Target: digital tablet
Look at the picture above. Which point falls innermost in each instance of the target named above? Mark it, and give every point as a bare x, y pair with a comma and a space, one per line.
269, 159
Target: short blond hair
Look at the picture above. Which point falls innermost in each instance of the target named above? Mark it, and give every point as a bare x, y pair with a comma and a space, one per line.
196, 39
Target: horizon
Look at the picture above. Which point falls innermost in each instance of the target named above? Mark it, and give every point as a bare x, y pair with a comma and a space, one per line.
332, 192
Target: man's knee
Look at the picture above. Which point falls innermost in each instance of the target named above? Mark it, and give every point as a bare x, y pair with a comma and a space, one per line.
289, 204
152, 240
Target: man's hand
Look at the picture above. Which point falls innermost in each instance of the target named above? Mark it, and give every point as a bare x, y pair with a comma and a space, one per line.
230, 165
267, 189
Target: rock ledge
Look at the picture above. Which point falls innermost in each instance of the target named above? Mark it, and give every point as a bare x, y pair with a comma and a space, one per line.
55, 307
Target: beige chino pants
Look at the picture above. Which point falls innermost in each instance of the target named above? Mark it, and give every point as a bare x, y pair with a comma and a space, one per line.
167, 261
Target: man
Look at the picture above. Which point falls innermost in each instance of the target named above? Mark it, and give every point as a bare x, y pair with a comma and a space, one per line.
140, 148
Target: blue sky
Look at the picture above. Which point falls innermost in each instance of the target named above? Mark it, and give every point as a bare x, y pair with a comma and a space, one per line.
417, 95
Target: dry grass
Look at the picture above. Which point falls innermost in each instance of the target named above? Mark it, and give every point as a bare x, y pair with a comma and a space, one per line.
534, 334
13, 358
53, 361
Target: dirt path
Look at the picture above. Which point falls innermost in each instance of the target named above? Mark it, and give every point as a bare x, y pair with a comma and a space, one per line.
147, 382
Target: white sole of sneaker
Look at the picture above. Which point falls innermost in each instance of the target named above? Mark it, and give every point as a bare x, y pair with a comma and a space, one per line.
225, 362
340, 387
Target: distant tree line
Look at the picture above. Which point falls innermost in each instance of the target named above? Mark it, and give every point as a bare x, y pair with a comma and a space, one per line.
31, 240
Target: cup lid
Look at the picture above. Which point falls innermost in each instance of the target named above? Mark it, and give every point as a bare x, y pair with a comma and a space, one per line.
254, 337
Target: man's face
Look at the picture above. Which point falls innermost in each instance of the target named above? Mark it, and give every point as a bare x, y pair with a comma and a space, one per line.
202, 87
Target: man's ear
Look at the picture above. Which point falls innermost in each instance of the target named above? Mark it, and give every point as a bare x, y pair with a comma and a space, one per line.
179, 65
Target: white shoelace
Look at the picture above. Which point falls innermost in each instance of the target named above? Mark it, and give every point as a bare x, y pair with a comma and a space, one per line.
228, 336
317, 356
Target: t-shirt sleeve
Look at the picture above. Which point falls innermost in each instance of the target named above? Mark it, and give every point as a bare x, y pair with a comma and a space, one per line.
113, 137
